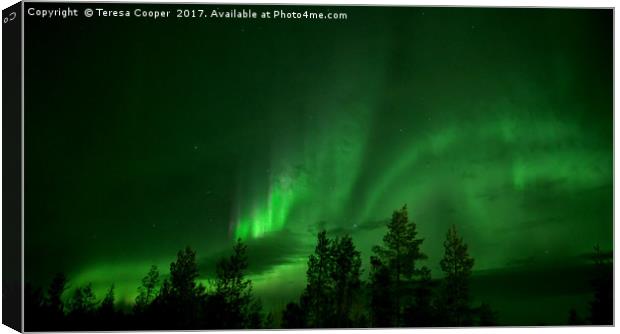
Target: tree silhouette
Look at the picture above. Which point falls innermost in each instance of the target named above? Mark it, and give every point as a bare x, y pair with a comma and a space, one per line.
161, 312
320, 289
234, 291
399, 253
148, 290
421, 313
83, 300
107, 316
345, 274
601, 307
82, 306
254, 317
54, 303
333, 286
381, 297
107, 304
399, 291
183, 275
456, 265
178, 303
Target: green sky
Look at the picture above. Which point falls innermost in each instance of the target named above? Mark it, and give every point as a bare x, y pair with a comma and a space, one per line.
146, 136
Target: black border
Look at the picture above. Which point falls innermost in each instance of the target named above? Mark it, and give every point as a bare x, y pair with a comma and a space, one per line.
12, 167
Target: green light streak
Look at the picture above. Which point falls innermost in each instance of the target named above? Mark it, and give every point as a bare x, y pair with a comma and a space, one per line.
538, 148
331, 154
271, 216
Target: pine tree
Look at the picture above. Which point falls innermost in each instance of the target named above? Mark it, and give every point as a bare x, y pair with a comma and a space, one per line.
457, 266
420, 313
82, 307
161, 312
381, 297
178, 303
55, 291
320, 289
107, 315
183, 275
107, 304
83, 301
148, 290
345, 274
234, 290
400, 253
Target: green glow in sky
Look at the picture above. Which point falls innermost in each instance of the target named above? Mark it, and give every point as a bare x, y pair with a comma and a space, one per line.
499, 121
272, 215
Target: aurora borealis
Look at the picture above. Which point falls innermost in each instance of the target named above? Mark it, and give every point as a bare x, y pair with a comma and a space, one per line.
144, 137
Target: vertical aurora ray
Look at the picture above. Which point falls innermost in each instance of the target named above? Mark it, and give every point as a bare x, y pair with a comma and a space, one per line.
316, 162
315, 176
272, 213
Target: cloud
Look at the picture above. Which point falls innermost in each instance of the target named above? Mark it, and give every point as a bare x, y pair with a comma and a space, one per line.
264, 253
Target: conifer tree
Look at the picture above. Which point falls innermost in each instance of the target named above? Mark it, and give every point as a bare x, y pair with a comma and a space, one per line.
400, 254
234, 291
381, 297
148, 290
457, 266
346, 279
421, 313
83, 301
55, 291
107, 304
320, 288
107, 315
178, 303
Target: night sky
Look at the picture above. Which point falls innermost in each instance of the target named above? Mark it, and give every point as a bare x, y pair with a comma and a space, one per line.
142, 137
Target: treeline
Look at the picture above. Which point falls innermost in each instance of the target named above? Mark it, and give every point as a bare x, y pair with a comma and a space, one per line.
176, 302
399, 291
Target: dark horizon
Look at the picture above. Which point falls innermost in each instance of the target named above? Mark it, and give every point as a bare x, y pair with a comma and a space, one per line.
578, 294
